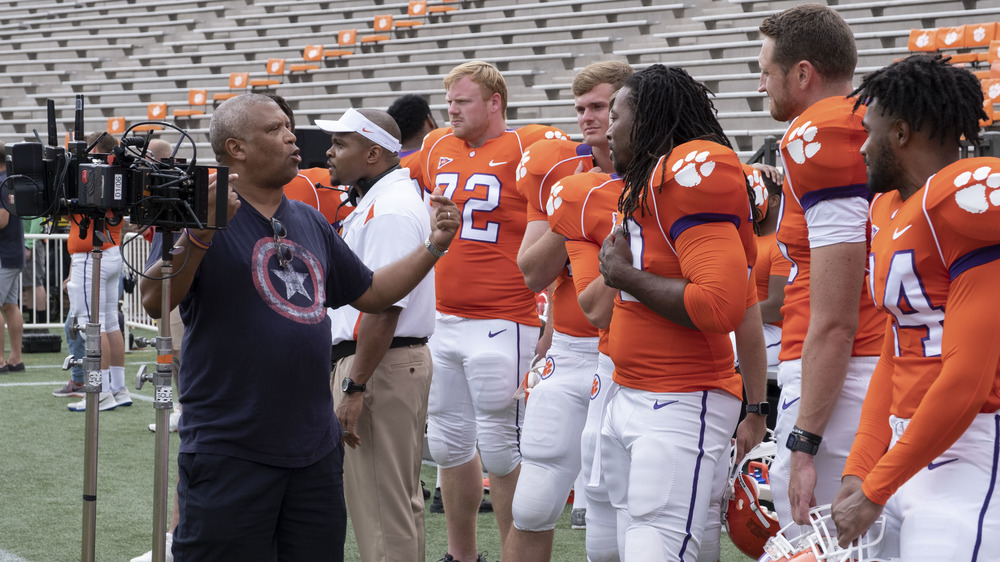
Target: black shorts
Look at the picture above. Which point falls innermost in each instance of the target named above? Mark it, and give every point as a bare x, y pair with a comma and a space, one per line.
233, 509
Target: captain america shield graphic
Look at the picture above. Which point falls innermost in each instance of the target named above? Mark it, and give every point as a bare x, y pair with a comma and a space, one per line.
296, 291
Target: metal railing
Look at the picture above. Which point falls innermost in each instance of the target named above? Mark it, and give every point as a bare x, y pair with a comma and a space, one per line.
55, 266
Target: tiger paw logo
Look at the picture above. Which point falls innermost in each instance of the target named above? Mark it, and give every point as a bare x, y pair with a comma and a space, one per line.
693, 168
994, 91
522, 167
550, 367
555, 199
595, 387
759, 189
978, 190
923, 40
555, 134
801, 145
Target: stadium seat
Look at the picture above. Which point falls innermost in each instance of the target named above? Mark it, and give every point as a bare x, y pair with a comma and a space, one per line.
416, 10
275, 67
237, 81
116, 125
441, 9
988, 109
311, 54
156, 111
346, 40
922, 41
197, 98
382, 25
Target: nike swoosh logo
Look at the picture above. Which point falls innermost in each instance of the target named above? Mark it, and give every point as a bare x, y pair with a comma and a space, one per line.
786, 404
897, 233
495, 334
934, 465
657, 404
492, 163
365, 129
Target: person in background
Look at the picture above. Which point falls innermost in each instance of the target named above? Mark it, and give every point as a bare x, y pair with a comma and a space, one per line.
11, 265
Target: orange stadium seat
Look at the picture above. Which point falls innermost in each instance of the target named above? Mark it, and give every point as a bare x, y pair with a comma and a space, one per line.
980, 34
346, 40
156, 111
116, 125
237, 81
988, 109
922, 40
416, 9
441, 9
383, 25
197, 98
275, 67
311, 54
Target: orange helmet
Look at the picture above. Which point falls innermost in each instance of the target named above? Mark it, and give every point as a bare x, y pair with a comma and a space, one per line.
820, 543
749, 523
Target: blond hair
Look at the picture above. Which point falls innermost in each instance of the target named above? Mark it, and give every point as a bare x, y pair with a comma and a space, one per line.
484, 74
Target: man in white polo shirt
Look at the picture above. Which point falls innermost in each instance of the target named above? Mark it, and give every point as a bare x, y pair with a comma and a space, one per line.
382, 366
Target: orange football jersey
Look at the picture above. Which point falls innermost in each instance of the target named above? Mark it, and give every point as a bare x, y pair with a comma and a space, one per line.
542, 165
327, 201
479, 277
937, 368
822, 161
769, 262
77, 245
697, 206
584, 209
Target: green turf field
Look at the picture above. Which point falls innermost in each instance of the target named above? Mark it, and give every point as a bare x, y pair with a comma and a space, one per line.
41, 476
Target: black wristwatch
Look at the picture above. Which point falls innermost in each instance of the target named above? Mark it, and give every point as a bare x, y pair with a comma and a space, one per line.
762, 409
350, 387
803, 441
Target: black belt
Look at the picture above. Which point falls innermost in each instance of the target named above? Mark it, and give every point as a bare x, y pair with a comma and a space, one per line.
349, 347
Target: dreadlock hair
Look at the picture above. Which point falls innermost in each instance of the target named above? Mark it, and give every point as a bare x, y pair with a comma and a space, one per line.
927, 91
669, 108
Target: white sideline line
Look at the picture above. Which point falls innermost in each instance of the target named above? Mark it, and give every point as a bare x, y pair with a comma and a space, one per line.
10, 557
135, 396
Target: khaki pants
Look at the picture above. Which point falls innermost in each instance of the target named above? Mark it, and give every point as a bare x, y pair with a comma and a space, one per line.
382, 476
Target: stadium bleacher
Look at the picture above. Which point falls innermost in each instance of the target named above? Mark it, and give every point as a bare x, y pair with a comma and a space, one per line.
157, 52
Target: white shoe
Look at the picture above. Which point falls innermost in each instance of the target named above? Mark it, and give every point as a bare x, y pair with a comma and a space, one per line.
175, 418
123, 398
148, 557
107, 402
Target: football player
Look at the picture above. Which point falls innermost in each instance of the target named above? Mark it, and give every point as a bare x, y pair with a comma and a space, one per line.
927, 447
556, 414
681, 263
487, 323
831, 333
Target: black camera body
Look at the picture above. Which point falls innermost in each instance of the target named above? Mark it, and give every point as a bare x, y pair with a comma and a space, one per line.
171, 193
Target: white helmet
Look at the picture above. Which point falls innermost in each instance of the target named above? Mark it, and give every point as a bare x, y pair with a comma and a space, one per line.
820, 543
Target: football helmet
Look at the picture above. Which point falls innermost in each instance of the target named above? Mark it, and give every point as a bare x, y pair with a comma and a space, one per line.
820, 542
749, 523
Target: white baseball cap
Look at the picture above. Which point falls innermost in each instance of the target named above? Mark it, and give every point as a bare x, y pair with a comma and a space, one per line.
354, 122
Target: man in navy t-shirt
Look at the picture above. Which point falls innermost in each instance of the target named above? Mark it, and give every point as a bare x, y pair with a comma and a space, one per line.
260, 463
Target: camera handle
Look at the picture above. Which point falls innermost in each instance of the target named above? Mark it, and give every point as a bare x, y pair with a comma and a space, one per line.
163, 402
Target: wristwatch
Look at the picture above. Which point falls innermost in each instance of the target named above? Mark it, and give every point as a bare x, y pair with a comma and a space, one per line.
762, 409
350, 387
802, 441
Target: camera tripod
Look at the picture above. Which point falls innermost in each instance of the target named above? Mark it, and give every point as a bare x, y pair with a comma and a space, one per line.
162, 402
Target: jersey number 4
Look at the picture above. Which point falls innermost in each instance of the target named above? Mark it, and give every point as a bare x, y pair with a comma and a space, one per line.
907, 301
449, 185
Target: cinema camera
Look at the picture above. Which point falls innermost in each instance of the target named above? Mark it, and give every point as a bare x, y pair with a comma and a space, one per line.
48, 181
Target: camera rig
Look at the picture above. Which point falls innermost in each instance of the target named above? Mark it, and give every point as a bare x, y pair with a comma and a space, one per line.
172, 193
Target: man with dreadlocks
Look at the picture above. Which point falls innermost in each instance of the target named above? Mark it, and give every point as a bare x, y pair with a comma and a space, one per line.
831, 334
679, 257
935, 246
